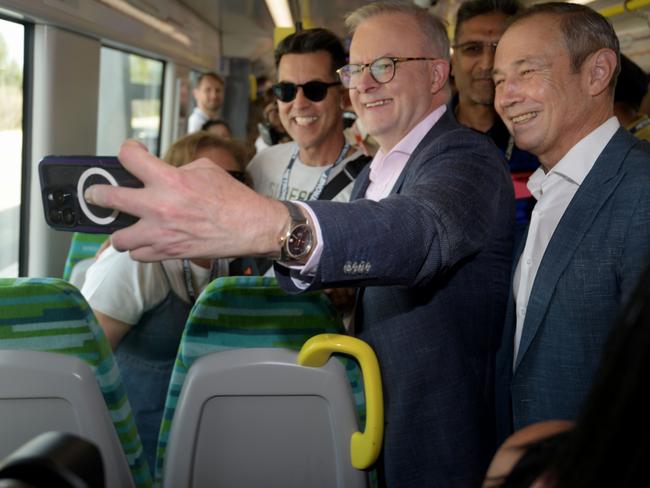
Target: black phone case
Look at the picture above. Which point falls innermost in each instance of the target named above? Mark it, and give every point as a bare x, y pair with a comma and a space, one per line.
63, 181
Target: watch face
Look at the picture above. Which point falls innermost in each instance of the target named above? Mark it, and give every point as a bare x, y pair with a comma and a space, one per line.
299, 242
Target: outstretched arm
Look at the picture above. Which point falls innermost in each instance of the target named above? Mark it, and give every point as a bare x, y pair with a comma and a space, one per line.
194, 211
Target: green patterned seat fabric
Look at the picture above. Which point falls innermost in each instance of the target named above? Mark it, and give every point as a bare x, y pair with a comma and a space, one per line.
246, 312
49, 314
83, 246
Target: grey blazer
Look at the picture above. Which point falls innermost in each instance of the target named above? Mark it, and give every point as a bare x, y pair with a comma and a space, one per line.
591, 263
434, 260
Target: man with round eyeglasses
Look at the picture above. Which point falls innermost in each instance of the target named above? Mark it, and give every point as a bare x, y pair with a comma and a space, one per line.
428, 236
310, 104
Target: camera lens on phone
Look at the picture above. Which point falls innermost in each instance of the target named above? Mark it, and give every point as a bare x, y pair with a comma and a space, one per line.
55, 215
58, 197
68, 216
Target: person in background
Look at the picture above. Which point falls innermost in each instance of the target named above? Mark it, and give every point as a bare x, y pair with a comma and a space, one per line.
555, 70
319, 163
142, 307
208, 95
479, 26
310, 105
218, 127
631, 87
428, 237
270, 129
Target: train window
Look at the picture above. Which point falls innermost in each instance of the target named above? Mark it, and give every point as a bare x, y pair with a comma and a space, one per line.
12, 46
130, 100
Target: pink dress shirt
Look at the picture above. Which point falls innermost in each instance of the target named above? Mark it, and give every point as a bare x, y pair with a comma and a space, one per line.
384, 171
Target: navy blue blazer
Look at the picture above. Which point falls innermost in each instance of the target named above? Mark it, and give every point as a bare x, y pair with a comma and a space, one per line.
591, 263
434, 258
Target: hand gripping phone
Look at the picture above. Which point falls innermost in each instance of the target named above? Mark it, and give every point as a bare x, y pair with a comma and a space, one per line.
64, 179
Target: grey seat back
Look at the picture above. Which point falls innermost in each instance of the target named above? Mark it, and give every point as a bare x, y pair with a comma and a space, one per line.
42, 391
254, 417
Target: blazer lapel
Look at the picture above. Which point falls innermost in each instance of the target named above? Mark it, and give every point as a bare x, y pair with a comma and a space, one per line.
446, 123
361, 183
574, 224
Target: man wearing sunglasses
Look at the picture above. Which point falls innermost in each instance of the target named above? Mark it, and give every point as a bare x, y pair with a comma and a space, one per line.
428, 236
479, 26
310, 102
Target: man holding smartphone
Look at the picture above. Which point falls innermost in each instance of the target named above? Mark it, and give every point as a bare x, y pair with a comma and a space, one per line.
429, 238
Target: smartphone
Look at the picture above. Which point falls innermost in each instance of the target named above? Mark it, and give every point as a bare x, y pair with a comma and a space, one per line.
63, 182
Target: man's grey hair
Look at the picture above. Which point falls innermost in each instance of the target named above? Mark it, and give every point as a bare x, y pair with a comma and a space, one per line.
431, 26
584, 30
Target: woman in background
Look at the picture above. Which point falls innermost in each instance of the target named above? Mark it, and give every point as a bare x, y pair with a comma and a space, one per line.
143, 307
218, 127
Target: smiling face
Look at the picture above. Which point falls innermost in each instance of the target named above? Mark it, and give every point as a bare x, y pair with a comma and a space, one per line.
471, 64
317, 127
389, 111
543, 102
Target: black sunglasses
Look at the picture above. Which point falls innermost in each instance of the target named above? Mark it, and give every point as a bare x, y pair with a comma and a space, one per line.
315, 91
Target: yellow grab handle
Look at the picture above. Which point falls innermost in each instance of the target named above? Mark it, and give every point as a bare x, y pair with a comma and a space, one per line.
364, 446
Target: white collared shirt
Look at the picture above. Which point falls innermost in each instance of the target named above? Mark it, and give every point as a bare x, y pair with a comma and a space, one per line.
554, 191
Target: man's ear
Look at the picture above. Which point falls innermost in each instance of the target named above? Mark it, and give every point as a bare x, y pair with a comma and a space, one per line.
440, 74
601, 67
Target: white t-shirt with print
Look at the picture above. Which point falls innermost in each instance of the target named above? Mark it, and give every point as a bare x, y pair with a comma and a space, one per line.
268, 166
125, 289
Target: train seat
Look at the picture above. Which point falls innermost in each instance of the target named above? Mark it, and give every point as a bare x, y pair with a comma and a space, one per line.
50, 315
250, 312
83, 246
264, 417
42, 392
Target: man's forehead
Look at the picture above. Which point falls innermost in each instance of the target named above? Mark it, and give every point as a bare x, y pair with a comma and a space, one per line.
209, 81
527, 41
313, 57
315, 64
488, 24
539, 27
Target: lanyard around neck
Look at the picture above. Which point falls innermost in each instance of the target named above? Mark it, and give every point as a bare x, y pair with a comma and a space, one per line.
320, 185
189, 284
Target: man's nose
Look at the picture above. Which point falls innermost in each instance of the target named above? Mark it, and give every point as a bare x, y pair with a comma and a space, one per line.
507, 93
301, 100
365, 82
486, 60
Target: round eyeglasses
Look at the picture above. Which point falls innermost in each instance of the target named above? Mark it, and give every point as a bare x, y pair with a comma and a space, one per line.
382, 70
314, 90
